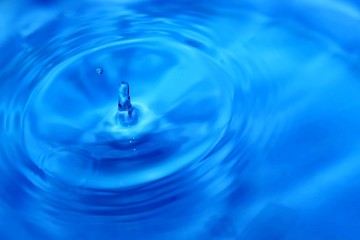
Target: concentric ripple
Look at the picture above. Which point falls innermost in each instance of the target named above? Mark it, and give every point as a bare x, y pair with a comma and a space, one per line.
174, 128
221, 90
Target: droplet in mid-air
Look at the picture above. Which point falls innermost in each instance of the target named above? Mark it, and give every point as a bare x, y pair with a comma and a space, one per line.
99, 70
127, 115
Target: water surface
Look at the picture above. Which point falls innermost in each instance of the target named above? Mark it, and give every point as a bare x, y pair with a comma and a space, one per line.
248, 120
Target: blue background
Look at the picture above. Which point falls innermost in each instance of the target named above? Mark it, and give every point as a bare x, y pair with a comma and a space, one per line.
248, 129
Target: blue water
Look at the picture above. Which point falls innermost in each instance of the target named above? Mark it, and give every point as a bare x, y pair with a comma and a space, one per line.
244, 120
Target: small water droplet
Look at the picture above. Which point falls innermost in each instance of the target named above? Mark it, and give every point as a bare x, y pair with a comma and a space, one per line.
99, 70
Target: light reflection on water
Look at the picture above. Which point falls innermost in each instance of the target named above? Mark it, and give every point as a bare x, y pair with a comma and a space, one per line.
248, 124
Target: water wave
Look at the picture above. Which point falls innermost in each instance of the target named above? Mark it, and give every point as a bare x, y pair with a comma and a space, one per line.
240, 104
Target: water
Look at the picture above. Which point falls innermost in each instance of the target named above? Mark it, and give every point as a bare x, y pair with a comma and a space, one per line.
243, 121
127, 115
99, 70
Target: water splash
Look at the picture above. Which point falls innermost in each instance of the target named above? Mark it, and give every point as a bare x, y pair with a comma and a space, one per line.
127, 115
242, 110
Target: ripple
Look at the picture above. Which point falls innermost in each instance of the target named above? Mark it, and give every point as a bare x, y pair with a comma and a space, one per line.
217, 89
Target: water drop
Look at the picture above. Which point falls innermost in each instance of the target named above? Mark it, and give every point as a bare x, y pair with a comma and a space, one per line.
124, 103
127, 115
99, 70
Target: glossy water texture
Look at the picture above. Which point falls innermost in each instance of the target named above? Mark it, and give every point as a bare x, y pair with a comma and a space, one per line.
244, 120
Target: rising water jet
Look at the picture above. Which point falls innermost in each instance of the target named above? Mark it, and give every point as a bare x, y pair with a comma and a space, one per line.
127, 115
